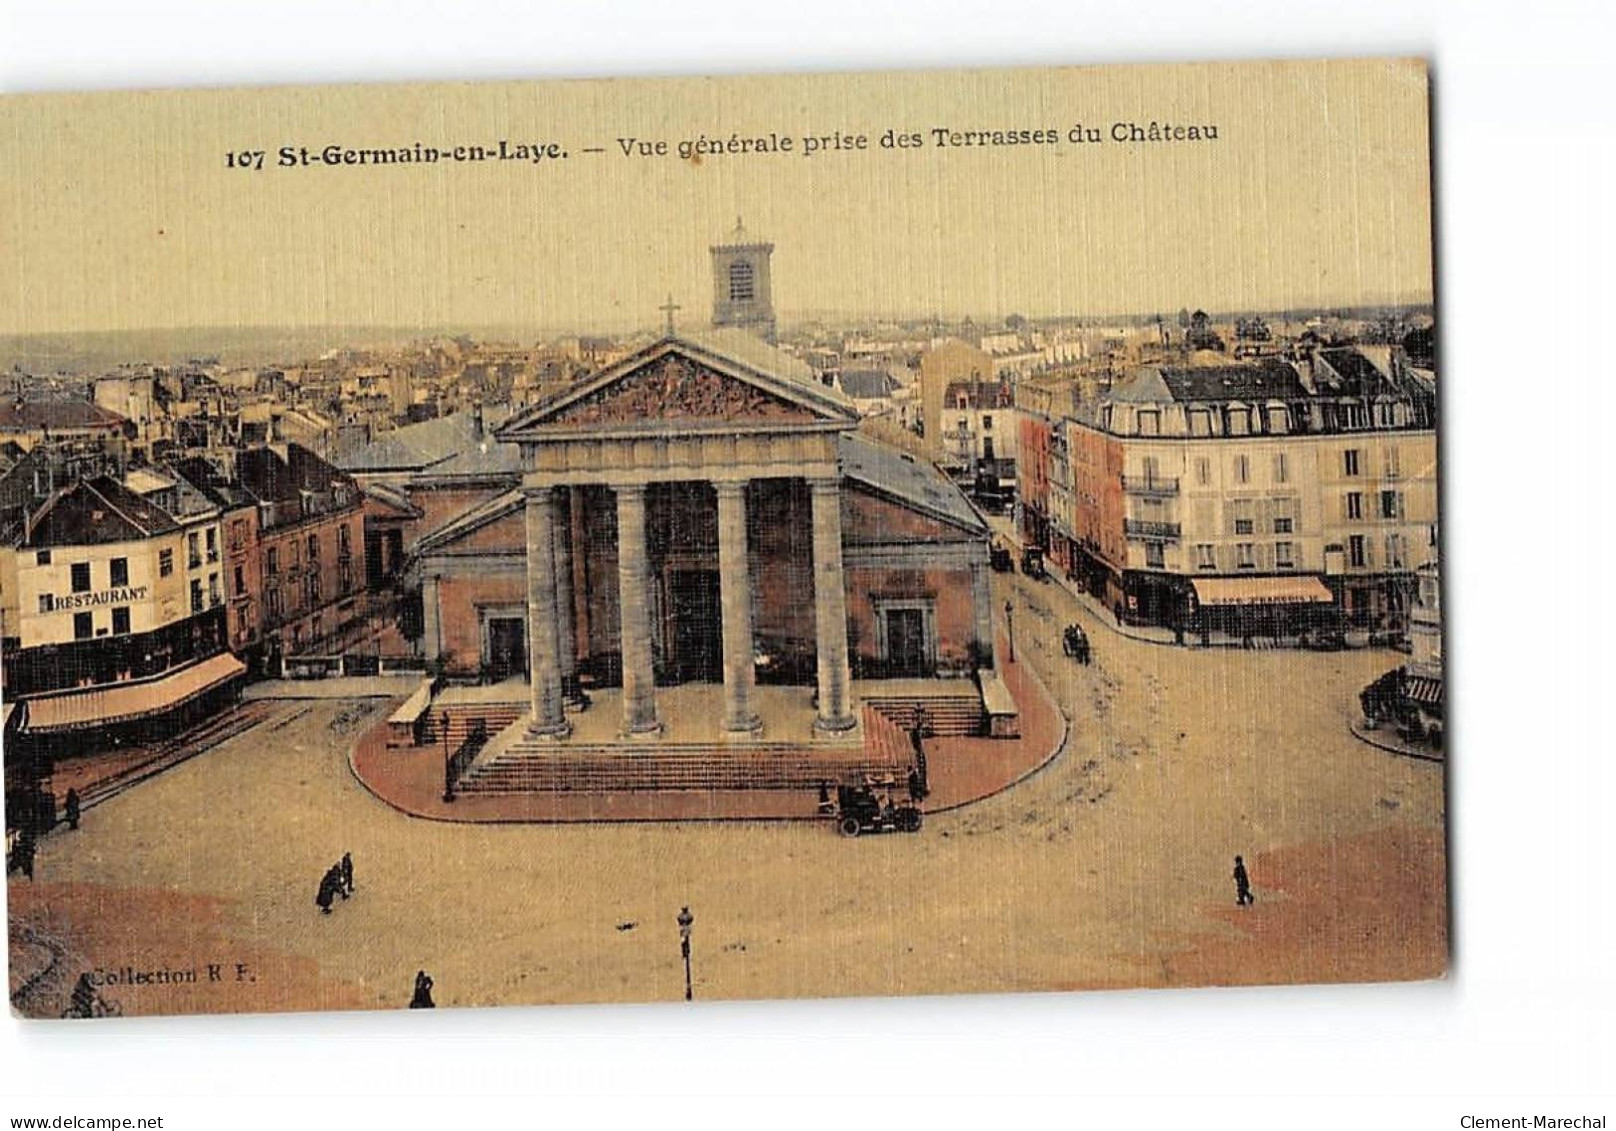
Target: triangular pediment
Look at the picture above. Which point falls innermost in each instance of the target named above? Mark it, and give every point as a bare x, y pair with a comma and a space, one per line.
676, 384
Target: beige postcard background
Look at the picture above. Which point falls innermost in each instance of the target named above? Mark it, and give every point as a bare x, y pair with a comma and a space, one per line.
119, 212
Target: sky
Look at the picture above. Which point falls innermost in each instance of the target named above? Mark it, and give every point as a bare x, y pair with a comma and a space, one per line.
118, 211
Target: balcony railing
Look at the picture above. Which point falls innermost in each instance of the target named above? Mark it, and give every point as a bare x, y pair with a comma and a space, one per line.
1153, 487
1138, 528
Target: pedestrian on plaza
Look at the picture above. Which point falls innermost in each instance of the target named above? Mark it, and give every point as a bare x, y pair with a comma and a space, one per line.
917, 791
1242, 884
346, 871
73, 808
423, 992
327, 893
826, 807
25, 852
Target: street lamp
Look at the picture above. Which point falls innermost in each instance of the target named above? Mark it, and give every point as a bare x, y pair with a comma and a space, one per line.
448, 772
685, 920
1010, 628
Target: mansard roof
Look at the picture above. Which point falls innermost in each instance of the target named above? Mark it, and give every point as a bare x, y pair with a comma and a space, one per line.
1259, 381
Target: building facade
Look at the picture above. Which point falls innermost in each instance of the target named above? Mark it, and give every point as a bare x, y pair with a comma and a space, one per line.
110, 632
704, 511
1256, 498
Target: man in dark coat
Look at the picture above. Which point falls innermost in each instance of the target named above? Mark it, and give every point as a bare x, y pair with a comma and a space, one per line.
346, 873
423, 991
1242, 884
73, 808
328, 891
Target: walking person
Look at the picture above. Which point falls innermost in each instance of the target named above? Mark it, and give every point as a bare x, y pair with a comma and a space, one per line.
25, 852
423, 991
73, 808
1242, 884
327, 893
345, 870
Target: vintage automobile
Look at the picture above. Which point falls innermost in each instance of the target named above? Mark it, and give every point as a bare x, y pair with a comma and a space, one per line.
1032, 564
999, 559
1075, 643
860, 810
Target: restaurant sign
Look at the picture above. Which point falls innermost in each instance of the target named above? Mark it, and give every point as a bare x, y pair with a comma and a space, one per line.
121, 595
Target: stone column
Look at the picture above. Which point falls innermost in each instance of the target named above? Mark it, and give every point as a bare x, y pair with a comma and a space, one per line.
634, 614
735, 587
544, 668
830, 609
982, 599
431, 630
566, 638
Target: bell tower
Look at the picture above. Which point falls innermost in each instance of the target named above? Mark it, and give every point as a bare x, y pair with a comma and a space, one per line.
741, 284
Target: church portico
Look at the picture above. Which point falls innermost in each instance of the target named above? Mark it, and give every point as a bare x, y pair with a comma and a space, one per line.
679, 439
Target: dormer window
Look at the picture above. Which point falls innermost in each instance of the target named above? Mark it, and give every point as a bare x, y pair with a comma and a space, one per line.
1149, 421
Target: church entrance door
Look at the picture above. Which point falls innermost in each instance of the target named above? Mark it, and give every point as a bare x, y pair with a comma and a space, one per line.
906, 642
697, 626
507, 647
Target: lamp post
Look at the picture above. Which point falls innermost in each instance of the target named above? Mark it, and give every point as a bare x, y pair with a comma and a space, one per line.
1010, 628
448, 775
685, 920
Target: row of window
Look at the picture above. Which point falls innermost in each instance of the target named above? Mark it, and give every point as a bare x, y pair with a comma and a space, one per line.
1245, 555
1389, 504
1240, 468
272, 563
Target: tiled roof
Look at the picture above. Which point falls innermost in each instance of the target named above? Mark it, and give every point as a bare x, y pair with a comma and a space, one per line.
867, 384
96, 512
423, 446
56, 415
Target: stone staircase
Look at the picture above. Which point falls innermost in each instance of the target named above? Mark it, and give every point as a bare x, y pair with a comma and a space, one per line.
955, 713
463, 720
526, 765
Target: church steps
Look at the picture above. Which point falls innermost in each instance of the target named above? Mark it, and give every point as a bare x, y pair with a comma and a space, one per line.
530, 765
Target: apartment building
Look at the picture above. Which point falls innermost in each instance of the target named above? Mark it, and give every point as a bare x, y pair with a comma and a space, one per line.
1260, 497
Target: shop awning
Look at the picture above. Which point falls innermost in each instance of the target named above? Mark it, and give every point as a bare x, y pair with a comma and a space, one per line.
1301, 590
1423, 690
121, 702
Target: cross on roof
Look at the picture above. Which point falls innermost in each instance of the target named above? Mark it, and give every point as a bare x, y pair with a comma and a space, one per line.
670, 308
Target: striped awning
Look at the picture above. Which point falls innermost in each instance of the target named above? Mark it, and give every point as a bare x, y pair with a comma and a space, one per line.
1423, 690
1299, 590
122, 702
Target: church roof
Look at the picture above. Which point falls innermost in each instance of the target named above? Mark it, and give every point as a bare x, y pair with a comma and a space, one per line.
489, 510
883, 468
911, 481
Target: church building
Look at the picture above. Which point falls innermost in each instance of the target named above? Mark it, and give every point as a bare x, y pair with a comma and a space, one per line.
705, 511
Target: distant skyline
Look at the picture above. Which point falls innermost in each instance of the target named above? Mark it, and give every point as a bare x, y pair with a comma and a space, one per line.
1315, 195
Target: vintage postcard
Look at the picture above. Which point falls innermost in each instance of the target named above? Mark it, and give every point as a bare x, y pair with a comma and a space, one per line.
695, 539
